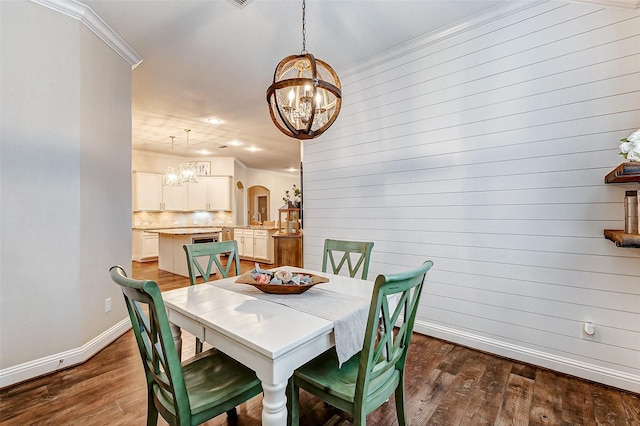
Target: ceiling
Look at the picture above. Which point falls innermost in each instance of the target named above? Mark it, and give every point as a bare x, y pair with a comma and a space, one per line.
216, 58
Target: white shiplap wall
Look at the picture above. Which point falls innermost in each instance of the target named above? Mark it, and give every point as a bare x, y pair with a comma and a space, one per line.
485, 151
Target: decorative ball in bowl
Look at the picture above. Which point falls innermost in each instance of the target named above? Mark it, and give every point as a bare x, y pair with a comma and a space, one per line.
280, 281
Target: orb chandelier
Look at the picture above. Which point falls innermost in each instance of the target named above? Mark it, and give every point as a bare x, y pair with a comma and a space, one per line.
305, 97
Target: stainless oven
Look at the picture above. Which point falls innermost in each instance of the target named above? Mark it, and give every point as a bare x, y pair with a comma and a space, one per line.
204, 260
204, 240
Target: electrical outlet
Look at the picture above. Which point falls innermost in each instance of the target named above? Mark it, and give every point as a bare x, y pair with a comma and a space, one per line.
588, 330
107, 305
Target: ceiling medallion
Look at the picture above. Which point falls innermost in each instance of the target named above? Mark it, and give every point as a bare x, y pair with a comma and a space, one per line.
305, 97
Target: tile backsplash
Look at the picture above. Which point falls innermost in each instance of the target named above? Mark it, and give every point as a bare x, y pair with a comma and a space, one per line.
151, 220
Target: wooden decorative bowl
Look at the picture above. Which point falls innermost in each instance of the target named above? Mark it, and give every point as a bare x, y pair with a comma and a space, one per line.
283, 288
246, 278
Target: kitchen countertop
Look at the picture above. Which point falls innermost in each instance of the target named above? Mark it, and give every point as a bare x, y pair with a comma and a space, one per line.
270, 228
185, 231
198, 229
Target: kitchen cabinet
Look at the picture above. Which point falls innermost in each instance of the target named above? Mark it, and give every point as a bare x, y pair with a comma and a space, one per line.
147, 192
261, 244
238, 235
197, 195
219, 193
174, 198
288, 249
144, 246
255, 244
210, 193
245, 242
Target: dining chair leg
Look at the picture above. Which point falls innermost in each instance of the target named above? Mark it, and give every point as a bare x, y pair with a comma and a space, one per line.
400, 403
293, 403
359, 416
152, 411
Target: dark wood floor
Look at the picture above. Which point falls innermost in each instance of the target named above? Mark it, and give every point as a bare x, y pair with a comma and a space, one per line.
446, 385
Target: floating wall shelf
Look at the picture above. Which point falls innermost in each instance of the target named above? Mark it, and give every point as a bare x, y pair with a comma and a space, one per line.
625, 173
622, 239
628, 172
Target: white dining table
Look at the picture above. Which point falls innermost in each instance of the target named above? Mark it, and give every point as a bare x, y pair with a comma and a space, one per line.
272, 334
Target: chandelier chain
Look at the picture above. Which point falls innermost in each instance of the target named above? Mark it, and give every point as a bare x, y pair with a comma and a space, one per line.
304, 30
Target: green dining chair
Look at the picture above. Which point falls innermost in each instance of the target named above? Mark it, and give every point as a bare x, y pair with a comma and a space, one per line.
187, 393
213, 251
346, 248
367, 380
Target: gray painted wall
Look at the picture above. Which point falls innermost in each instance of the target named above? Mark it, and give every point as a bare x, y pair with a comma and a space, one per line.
65, 170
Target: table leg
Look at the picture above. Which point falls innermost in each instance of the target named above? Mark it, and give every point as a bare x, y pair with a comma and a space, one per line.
176, 332
274, 404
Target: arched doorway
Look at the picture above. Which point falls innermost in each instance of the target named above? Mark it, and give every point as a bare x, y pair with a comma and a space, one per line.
259, 204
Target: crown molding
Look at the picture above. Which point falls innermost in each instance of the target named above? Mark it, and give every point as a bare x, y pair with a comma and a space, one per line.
94, 23
502, 9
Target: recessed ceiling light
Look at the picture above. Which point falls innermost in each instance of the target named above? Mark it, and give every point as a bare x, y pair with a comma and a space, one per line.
292, 169
214, 120
234, 143
253, 149
204, 152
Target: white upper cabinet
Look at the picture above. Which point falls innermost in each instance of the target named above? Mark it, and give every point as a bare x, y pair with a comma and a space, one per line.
175, 198
219, 193
198, 194
210, 193
147, 191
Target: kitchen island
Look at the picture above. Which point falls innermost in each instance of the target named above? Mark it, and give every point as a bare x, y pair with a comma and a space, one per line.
171, 255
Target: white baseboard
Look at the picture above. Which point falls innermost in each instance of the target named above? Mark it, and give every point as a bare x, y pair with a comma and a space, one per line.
606, 376
32, 369
49, 364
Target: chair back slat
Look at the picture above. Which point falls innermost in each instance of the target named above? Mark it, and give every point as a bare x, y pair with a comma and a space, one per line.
361, 251
213, 251
153, 336
389, 327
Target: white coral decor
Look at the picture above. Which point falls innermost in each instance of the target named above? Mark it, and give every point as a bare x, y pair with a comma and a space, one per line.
630, 146
283, 275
